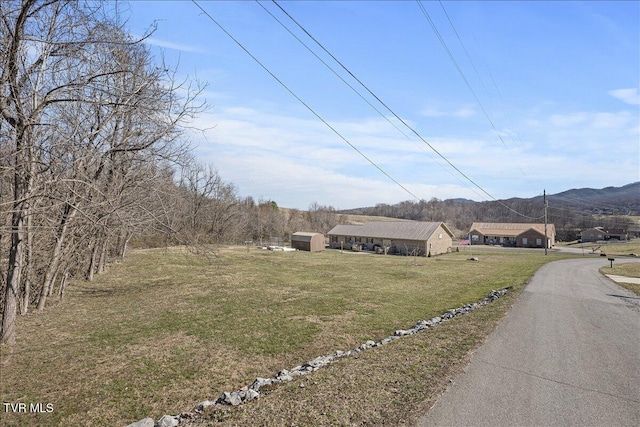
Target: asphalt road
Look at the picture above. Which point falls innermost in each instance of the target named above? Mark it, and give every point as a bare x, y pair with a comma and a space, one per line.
567, 354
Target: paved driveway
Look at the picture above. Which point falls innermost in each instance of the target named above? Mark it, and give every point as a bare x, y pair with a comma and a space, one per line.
568, 354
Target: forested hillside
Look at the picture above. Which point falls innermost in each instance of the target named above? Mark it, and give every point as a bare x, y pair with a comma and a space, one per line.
570, 211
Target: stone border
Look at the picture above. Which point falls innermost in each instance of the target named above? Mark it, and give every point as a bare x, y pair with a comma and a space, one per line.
251, 392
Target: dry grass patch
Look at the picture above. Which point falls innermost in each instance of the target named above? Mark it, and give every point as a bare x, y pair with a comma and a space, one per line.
389, 385
631, 269
613, 248
166, 329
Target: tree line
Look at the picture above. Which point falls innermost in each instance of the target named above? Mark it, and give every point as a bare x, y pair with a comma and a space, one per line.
89, 124
94, 153
568, 218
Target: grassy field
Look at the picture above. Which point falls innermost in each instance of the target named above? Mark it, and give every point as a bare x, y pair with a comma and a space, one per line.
614, 248
628, 270
166, 329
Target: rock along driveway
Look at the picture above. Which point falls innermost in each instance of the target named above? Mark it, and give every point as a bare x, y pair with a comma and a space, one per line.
567, 354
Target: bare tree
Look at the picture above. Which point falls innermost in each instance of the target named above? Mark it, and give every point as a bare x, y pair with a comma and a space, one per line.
322, 218
87, 117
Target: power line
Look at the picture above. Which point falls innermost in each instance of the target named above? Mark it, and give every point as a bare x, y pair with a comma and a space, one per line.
463, 46
452, 57
378, 99
302, 101
361, 96
393, 112
455, 63
331, 69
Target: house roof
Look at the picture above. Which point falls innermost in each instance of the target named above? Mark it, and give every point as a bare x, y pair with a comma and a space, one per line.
607, 230
510, 228
302, 236
402, 230
615, 231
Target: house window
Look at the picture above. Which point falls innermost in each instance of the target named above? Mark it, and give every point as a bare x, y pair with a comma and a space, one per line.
538, 242
440, 236
525, 241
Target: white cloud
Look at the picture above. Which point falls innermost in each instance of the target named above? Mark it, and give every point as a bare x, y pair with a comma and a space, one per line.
296, 161
630, 96
612, 120
584, 149
461, 113
464, 112
432, 112
171, 45
567, 120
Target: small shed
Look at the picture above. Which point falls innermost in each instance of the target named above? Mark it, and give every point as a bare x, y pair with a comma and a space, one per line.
310, 242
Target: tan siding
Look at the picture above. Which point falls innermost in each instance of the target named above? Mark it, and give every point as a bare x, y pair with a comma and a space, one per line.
311, 242
398, 234
508, 232
440, 242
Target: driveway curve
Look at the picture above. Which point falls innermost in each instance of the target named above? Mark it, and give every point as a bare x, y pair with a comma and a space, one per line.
567, 354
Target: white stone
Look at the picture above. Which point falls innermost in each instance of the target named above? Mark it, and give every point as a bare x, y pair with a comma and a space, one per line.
147, 422
168, 421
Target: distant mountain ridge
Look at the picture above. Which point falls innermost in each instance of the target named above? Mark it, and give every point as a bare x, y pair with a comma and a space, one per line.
570, 211
611, 200
623, 200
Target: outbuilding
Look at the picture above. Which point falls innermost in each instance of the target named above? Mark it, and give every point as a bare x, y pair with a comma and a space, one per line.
310, 242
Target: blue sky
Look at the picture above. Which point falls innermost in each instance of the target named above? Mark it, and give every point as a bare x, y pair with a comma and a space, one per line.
518, 96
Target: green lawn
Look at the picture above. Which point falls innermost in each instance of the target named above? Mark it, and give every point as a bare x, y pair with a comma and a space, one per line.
164, 330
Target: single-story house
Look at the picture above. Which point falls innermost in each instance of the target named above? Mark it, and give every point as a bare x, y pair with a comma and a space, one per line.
633, 232
601, 233
522, 235
310, 242
403, 237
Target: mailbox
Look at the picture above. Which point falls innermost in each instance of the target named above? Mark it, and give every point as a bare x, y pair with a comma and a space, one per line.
611, 261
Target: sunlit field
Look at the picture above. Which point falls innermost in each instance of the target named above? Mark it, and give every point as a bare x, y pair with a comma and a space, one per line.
166, 329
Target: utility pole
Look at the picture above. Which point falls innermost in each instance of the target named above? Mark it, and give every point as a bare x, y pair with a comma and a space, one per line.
546, 205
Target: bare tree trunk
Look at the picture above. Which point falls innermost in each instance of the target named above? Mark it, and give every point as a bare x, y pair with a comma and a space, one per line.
123, 242
49, 275
92, 262
22, 187
23, 183
22, 177
102, 261
26, 297
16, 258
53, 282
63, 283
